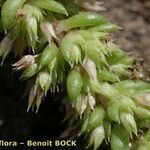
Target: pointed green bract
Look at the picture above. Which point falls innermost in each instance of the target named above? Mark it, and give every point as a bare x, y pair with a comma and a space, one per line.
48, 54
108, 27
113, 112
128, 121
105, 75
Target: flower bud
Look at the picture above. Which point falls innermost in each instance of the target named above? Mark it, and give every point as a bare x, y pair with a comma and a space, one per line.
30, 71
90, 68
96, 117
33, 11
25, 62
48, 31
78, 103
84, 105
91, 101
52, 65
71, 48
44, 80
97, 136
49, 53
128, 121
31, 27
96, 50
74, 84
119, 138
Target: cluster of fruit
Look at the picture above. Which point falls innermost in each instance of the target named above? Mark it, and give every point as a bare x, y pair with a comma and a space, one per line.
74, 49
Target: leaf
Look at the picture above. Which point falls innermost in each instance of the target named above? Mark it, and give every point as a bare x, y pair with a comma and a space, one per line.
50, 5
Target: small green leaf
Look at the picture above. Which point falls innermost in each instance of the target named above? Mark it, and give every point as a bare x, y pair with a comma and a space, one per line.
50, 5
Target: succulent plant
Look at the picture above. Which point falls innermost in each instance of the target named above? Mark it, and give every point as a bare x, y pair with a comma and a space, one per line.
72, 47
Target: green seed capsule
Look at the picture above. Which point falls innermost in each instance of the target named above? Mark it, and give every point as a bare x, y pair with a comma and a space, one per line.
9, 12
74, 85
30, 71
96, 117
83, 19
119, 138
97, 136
128, 121
49, 53
50, 5
109, 27
108, 76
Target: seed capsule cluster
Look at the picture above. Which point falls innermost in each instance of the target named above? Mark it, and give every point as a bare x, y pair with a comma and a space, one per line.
75, 50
